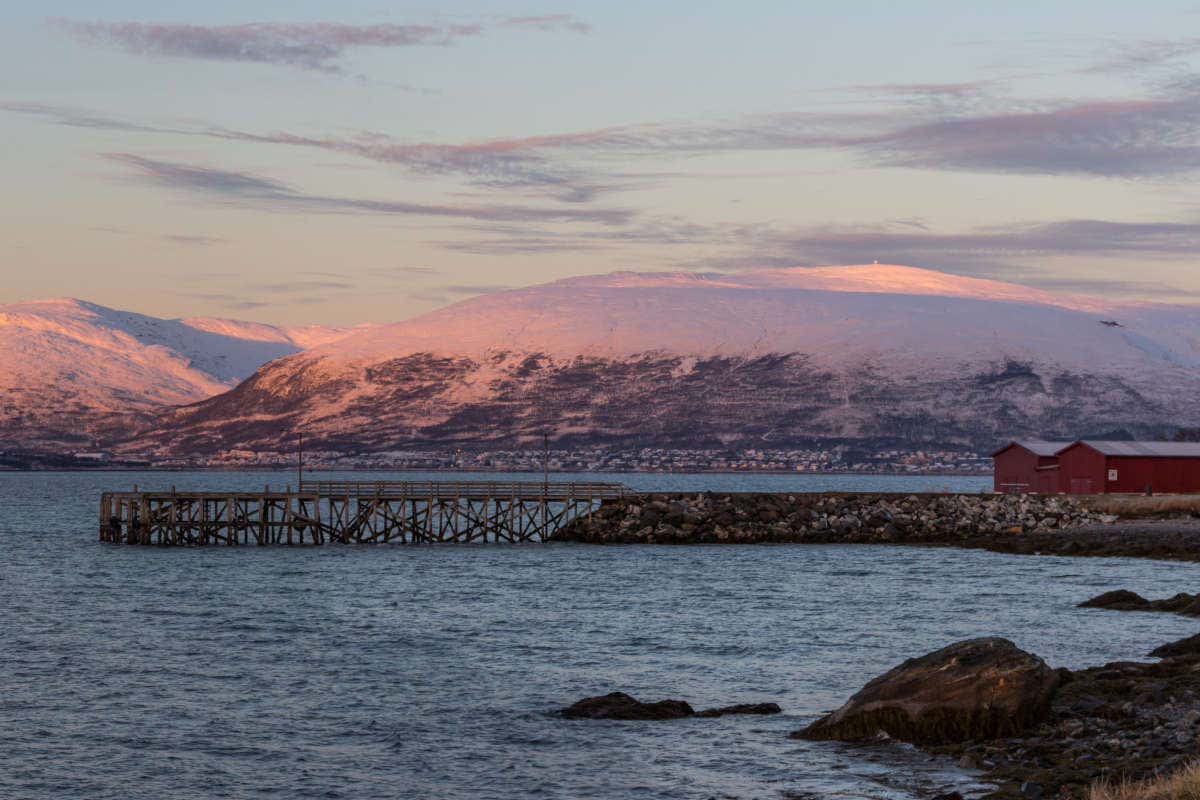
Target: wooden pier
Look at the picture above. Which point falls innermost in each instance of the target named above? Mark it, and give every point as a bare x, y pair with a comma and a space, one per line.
348, 512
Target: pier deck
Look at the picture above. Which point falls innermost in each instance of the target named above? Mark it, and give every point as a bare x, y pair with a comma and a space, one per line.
322, 512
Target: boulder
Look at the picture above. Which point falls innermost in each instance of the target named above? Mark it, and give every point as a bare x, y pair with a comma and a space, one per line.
618, 705
1119, 600
1123, 600
975, 689
742, 708
1184, 647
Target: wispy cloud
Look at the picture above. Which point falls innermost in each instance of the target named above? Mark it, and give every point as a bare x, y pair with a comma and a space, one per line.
193, 240
1145, 55
1147, 137
247, 189
1013, 250
302, 286
398, 272
319, 46
1133, 138
225, 300
470, 290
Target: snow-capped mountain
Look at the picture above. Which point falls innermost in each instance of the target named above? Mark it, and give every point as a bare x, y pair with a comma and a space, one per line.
66, 365
771, 357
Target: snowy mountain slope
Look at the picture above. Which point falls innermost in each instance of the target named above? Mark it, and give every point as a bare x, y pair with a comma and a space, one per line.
64, 363
876, 352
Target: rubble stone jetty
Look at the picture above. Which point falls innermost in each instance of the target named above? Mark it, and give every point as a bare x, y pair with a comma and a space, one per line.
844, 517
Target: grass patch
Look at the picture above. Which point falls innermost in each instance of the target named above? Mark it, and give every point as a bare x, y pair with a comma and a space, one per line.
1137, 505
1181, 785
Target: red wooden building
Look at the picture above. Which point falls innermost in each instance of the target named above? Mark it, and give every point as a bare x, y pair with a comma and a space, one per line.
1100, 467
1029, 465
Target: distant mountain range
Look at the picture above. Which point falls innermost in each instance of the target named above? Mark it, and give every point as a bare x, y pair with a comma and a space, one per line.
72, 372
880, 355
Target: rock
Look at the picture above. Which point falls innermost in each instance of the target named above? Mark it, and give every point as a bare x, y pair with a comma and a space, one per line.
1184, 647
948, 796
975, 689
741, 708
1119, 600
1123, 600
619, 705
1033, 791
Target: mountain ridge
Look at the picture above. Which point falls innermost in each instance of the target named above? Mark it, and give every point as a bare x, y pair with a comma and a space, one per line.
69, 366
897, 354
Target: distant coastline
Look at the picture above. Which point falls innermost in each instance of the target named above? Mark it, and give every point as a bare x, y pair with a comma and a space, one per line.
473, 470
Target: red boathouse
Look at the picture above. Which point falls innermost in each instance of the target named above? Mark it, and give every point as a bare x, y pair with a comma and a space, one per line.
1100, 467
1030, 465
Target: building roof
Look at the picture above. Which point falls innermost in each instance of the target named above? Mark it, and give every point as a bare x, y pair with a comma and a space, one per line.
1036, 446
1159, 449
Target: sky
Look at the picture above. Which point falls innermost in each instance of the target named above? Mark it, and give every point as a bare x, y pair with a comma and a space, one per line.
341, 162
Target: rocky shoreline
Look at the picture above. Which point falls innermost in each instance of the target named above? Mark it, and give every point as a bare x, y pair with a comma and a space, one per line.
1123, 721
1120, 721
1023, 524
1032, 731
1035, 732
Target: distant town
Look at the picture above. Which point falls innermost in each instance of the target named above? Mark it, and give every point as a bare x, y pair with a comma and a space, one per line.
837, 459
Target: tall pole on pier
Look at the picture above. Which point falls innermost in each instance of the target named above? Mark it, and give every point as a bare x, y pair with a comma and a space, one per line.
545, 477
299, 459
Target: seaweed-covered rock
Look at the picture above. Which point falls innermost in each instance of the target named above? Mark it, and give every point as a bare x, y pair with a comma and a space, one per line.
618, 705
975, 689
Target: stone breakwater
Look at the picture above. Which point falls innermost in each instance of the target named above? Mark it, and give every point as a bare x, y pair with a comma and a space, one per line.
824, 518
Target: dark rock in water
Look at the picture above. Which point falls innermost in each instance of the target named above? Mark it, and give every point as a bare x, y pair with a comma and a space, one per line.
1184, 647
1119, 600
949, 796
1033, 791
741, 708
1123, 600
619, 705
975, 689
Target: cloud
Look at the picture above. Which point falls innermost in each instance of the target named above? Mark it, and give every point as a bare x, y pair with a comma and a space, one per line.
548, 22
990, 250
1133, 138
996, 250
461, 290
192, 240
1146, 54
172, 238
301, 285
247, 189
225, 300
318, 46
399, 272
963, 127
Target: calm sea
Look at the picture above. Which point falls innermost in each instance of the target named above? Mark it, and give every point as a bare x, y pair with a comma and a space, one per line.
431, 671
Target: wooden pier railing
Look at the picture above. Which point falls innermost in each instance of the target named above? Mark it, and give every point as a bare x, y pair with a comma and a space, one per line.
322, 512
